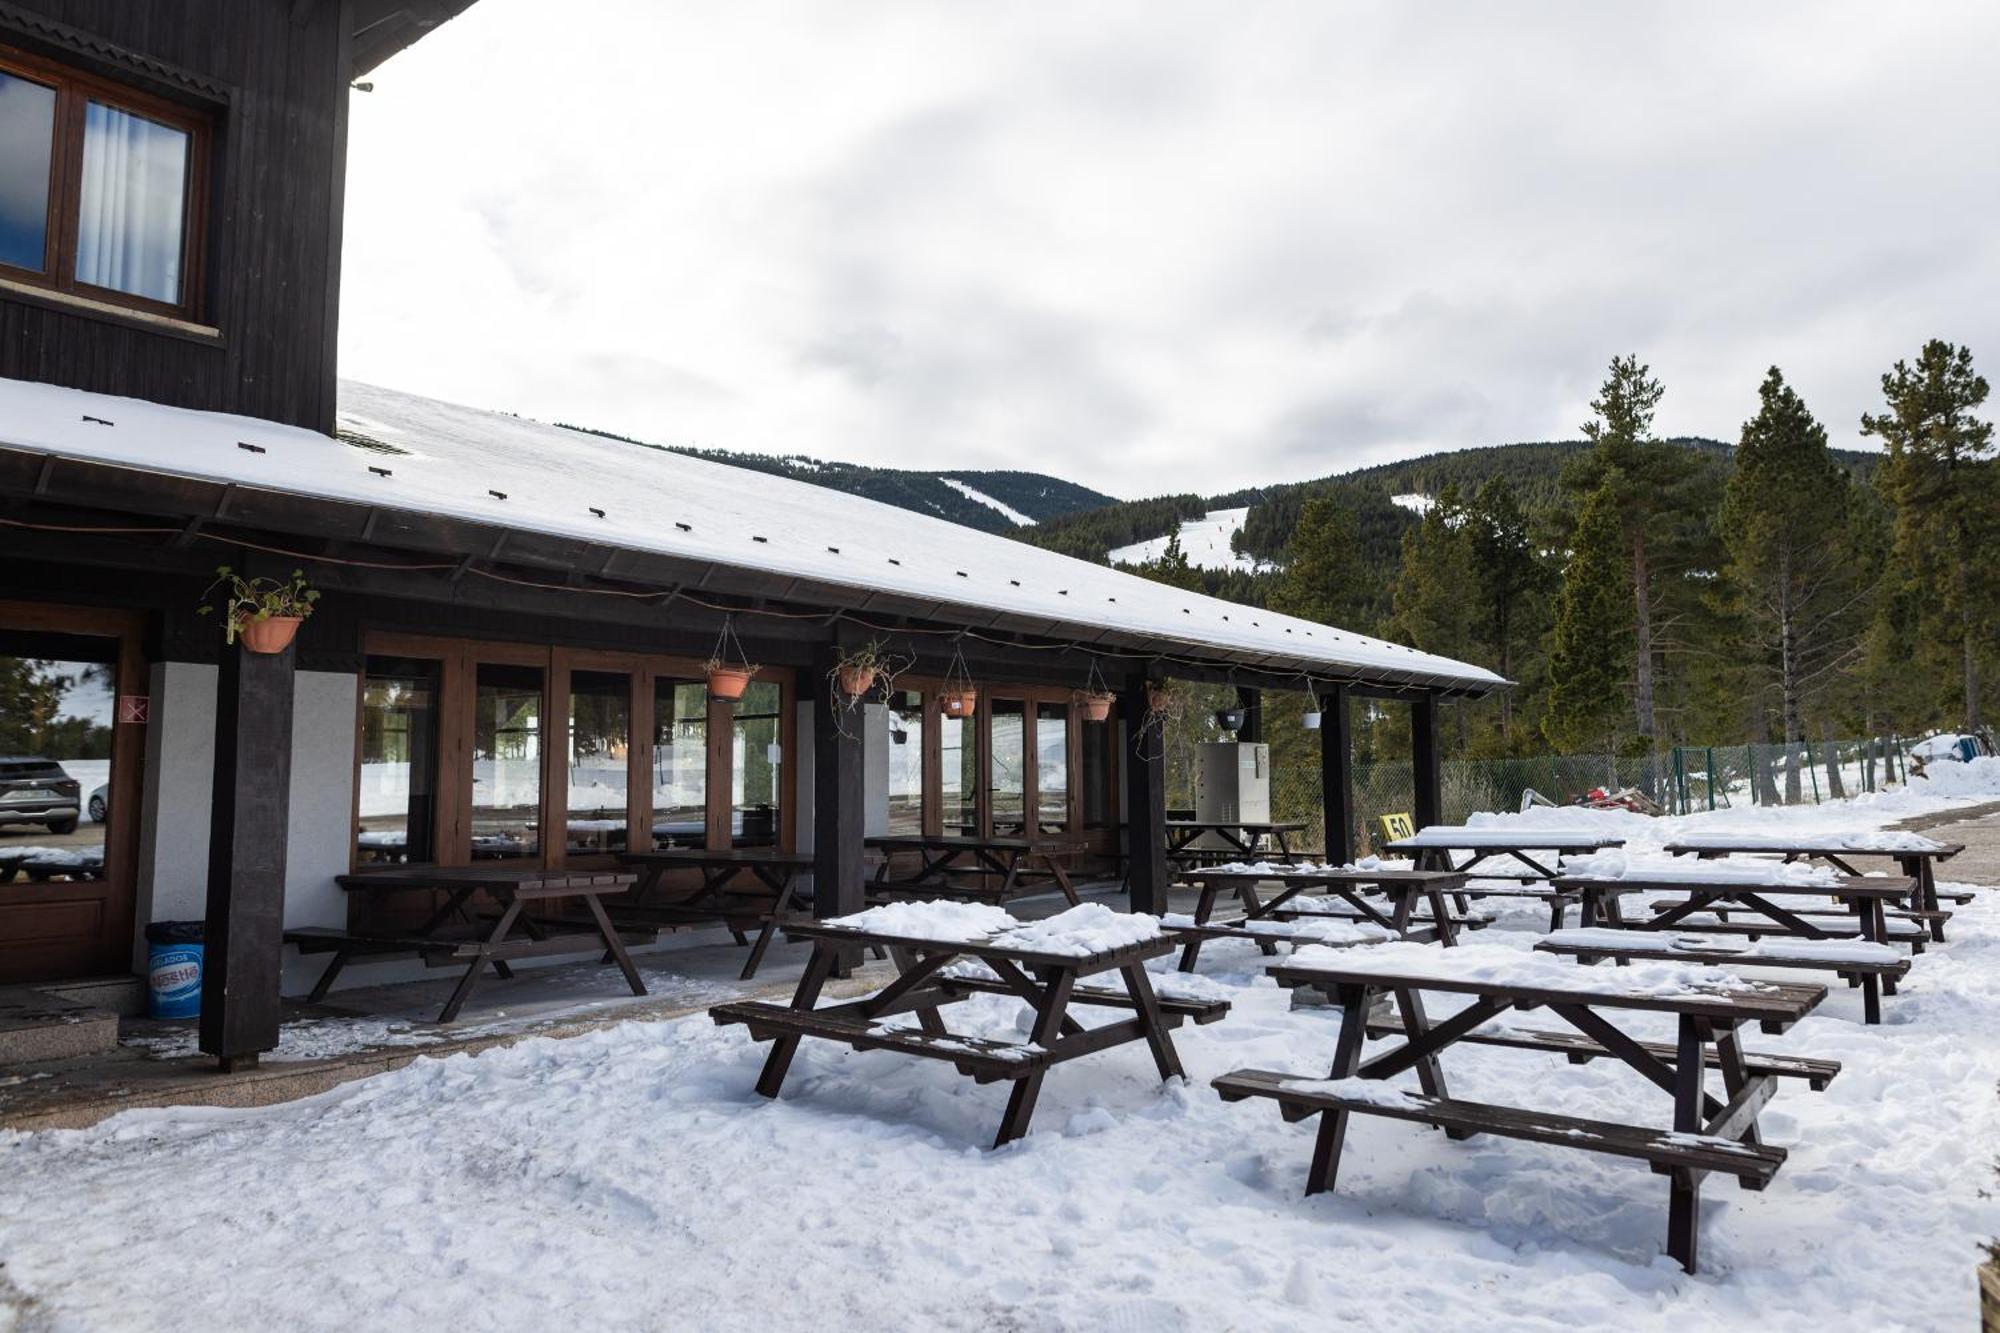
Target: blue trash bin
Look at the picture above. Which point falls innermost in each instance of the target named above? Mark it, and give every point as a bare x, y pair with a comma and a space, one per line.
173, 969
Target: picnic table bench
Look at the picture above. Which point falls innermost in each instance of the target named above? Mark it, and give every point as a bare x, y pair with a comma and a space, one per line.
721, 896
1707, 1133
947, 859
441, 943
1288, 917
1915, 856
937, 969
1242, 837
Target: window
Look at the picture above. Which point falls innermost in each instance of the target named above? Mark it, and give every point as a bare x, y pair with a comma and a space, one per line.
680, 763
1052, 767
958, 744
398, 781
906, 762
755, 807
506, 762
99, 188
600, 746
1009, 768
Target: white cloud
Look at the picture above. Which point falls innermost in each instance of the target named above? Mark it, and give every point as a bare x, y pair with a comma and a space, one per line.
1156, 246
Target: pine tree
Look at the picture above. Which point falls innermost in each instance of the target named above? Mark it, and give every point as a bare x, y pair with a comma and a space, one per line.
1590, 649
1940, 478
1172, 567
1436, 588
1786, 522
1324, 579
1511, 579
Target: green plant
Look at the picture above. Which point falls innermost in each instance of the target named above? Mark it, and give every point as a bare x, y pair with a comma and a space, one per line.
258, 599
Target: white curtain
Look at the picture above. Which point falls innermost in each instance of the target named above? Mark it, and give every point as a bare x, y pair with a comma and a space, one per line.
134, 204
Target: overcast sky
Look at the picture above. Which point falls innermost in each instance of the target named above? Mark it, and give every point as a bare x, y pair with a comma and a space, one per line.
1166, 247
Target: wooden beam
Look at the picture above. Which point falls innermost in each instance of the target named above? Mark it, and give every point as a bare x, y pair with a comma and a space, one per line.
839, 796
1427, 765
246, 856
1147, 873
1336, 773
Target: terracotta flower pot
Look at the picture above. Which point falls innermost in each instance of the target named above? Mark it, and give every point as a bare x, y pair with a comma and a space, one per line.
1096, 707
960, 703
728, 683
856, 681
273, 634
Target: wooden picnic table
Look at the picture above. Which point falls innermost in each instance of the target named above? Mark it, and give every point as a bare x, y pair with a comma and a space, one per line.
935, 972
1431, 848
947, 858
1916, 857
782, 873
1707, 1133
1406, 890
1242, 836
1867, 921
515, 888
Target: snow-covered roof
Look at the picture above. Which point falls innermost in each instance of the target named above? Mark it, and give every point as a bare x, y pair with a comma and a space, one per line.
460, 462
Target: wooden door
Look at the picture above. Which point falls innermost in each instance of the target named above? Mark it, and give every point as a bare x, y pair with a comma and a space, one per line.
72, 747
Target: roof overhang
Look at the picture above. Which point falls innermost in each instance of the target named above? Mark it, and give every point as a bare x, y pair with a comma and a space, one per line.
381, 28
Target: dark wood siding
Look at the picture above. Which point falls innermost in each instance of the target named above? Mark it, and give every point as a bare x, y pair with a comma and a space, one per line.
274, 72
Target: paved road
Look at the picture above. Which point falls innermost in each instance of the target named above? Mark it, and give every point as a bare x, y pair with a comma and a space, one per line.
1978, 827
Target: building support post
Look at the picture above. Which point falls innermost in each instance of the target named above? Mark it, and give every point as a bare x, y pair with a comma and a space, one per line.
251, 818
1427, 766
1251, 701
839, 813
1336, 773
1147, 872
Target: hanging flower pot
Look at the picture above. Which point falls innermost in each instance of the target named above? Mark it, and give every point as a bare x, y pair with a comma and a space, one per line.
855, 680
727, 683
959, 702
1095, 704
858, 670
272, 634
1311, 719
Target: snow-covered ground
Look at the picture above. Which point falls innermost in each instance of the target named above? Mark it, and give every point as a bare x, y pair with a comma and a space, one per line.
631, 1179
1008, 512
1415, 501
1204, 540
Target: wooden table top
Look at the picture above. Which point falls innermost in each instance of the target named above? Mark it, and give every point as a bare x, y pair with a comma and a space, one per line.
731, 856
1157, 947
486, 877
1850, 886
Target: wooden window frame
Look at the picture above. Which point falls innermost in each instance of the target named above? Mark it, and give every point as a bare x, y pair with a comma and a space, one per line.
459, 660
74, 90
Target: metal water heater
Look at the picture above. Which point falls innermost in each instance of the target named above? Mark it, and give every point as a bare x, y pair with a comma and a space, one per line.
1233, 783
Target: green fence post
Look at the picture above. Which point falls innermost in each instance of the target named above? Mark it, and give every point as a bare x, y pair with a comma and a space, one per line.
1711, 777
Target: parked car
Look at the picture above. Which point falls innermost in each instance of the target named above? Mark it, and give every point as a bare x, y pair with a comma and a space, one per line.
38, 791
100, 803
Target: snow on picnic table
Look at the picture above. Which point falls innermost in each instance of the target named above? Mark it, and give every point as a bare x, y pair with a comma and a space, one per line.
632, 1179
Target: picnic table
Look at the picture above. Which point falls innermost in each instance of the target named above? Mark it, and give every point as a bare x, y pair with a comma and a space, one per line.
1241, 836
1915, 856
1406, 890
782, 873
947, 858
1707, 1133
452, 933
1431, 847
940, 967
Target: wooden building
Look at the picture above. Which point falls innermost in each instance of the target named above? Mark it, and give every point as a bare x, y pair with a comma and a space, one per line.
515, 618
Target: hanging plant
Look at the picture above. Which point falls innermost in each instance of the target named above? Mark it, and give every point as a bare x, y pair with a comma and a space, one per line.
859, 670
264, 613
1311, 717
958, 696
727, 677
1094, 700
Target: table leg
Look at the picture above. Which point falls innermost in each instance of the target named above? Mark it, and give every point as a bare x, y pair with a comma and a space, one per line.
1447, 926
1921, 869
1729, 1054
1325, 1169
1165, 1058
1875, 929
614, 945
784, 1047
1049, 1015
1061, 877
463, 991
1430, 1077
1684, 1196
927, 1017
1246, 893
326, 978
1202, 909
786, 903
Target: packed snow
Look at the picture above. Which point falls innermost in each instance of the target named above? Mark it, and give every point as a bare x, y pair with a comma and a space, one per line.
1205, 541
1008, 512
1752, 871
1415, 501
631, 1178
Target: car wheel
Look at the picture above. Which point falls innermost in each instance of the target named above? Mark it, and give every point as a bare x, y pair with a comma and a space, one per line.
97, 809
62, 826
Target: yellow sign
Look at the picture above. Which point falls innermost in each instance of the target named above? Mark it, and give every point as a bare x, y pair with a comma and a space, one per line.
1395, 827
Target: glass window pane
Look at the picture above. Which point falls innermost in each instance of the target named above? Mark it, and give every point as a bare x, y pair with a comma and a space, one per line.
399, 716
1008, 769
958, 742
754, 800
1094, 765
680, 763
27, 137
55, 758
133, 206
506, 761
1052, 767
906, 762
600, 741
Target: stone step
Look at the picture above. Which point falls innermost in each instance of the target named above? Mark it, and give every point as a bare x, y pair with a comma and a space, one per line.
35, 1025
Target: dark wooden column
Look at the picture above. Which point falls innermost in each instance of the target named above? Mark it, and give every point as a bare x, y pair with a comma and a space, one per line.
244, 942
1427, 766
1336, 773
839, 793
1147, 872
1251, 701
